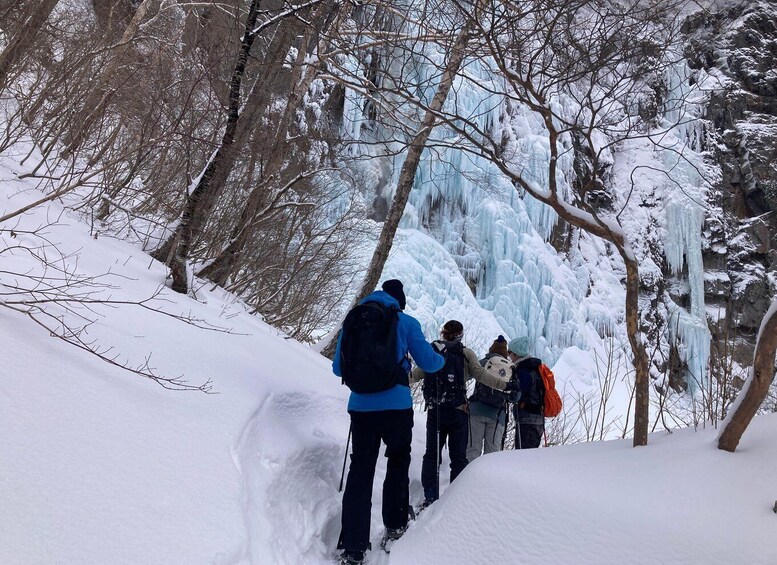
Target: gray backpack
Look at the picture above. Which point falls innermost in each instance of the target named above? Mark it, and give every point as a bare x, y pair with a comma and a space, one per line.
501, 368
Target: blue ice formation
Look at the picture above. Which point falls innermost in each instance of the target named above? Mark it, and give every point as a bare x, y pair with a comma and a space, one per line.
496, 236
685, 210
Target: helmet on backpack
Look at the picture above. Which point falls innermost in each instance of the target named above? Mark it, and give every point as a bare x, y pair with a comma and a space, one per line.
501, 368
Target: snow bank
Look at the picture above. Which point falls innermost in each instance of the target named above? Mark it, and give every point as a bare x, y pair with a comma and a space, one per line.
679, 500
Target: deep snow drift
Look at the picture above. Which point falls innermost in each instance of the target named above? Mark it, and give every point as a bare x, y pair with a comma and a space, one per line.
100, 466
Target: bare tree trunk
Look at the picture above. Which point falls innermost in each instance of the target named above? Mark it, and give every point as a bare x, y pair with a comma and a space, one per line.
24, 38
410, 166
255, 106
99, 95
593, 225
223, 265
217, 162
641, 359
757, 386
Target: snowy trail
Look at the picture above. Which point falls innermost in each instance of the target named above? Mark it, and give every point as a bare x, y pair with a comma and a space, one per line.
247, 500
251, 473
287, 454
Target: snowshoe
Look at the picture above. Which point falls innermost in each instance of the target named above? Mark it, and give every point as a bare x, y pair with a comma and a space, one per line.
390, 536
424, 505
351, 558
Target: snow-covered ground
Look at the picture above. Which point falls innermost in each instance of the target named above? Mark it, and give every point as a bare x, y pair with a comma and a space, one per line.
99, 466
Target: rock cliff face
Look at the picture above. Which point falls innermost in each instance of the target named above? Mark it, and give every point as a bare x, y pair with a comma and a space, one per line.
738, 47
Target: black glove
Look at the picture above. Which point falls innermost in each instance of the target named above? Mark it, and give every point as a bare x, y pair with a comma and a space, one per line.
513, 390
439, 346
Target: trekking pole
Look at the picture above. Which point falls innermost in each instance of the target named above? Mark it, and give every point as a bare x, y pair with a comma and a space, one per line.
345, 458
438, 454
504, 433
469, 427
498, 418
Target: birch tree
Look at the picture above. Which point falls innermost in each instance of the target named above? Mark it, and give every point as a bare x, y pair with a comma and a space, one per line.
217, 162
303, 73
241, 120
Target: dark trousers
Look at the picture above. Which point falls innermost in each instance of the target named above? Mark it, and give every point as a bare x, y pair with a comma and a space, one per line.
528, 436
453, 430
395, 429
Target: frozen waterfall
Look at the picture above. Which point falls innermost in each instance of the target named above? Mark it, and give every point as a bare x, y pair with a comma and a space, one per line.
497, 237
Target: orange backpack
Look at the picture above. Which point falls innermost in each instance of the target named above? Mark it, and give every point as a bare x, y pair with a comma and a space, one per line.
553, 402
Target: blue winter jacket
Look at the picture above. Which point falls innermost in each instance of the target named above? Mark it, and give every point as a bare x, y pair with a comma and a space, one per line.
410, 339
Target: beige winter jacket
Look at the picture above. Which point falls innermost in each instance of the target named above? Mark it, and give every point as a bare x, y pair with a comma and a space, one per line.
472, 369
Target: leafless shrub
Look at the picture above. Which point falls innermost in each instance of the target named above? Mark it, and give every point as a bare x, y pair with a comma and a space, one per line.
54, 296
706, 402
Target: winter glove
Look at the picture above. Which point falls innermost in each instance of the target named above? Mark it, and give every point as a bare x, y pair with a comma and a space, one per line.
513, 389
439, 346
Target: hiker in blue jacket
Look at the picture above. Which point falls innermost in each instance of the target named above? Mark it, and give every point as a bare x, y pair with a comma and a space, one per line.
382, 416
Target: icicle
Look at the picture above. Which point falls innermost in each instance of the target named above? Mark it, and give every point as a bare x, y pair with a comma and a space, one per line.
684, 221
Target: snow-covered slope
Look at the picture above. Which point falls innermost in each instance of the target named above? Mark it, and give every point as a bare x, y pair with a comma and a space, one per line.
102, 466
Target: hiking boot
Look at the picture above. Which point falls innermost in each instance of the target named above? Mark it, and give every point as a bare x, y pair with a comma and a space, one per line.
350, 557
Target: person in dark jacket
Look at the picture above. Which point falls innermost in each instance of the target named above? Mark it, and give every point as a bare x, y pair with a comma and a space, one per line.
385, 416
488, 406
528, 411
446, 417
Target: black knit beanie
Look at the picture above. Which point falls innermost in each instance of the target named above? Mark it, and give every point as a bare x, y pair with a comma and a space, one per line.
452, 330
393, 287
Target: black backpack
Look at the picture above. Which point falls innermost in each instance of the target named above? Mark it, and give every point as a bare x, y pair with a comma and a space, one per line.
368, 350
532, 390
447, 387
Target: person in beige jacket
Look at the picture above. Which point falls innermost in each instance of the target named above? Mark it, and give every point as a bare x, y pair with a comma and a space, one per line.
445, 393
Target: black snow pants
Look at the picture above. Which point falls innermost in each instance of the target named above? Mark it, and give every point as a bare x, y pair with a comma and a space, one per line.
453, 430
528, 435
368, 429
